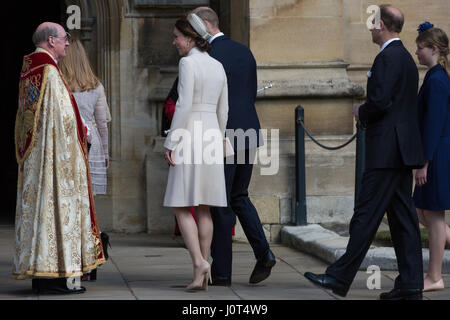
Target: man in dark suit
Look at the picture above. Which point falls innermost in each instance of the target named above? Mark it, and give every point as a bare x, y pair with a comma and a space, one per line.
240, 68
393, 149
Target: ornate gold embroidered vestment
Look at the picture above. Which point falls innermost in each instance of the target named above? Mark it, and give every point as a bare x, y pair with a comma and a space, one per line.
56, 232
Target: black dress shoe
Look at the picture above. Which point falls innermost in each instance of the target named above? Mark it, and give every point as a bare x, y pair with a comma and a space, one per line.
263, 267
223, 282
54, 286
328, 282
402, 294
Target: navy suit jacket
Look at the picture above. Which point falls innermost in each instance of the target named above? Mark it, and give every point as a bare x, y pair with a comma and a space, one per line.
390, 113
240, 68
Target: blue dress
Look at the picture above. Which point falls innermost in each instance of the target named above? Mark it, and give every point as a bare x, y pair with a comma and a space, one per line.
434, 122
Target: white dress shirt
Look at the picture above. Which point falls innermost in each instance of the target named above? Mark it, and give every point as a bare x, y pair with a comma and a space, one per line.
387, 43
215, 36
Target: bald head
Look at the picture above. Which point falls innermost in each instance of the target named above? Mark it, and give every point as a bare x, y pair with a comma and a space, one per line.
53, 38
392, 17
46, 30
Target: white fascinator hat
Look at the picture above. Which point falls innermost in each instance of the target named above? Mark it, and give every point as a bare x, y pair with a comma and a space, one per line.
199, 26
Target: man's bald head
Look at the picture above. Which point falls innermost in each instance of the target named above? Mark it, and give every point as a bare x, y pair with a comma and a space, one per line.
53, 38
392, 17
46, 30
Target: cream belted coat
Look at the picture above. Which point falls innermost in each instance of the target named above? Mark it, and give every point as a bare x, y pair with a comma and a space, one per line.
196, 134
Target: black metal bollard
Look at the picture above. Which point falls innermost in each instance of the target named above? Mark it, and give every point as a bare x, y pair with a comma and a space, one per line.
360, 158
300, 185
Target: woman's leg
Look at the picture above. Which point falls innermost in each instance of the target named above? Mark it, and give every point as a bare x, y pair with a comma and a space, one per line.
423, 221
189, 231
447, 235
437, 234
205, 230
190, 234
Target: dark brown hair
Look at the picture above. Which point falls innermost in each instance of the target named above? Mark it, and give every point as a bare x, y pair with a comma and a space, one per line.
436, 37
392, 21
186, 29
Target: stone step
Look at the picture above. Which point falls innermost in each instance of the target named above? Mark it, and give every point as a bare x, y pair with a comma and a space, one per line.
329, 246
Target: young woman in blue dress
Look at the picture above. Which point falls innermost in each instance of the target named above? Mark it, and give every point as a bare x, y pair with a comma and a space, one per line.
432, 191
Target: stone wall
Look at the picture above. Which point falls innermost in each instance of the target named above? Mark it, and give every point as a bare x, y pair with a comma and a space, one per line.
316, 53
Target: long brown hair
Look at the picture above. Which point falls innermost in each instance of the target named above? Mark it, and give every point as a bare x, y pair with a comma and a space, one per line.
76, 68
436, 37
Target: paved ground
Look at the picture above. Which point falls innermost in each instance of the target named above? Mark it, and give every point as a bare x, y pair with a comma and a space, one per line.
144, 267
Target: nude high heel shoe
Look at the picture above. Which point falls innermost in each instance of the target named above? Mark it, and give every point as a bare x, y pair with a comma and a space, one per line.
201, 283
205, 280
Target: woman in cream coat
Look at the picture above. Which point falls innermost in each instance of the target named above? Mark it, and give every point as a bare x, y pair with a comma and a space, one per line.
194, 145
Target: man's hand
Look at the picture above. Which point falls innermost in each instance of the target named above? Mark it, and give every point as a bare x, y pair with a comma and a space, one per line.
356, 111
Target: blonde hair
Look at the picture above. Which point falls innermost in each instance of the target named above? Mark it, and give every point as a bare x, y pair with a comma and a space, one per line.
436, 37
76, 68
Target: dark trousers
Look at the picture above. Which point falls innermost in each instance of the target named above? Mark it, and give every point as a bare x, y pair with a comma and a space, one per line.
237, 179
384, 191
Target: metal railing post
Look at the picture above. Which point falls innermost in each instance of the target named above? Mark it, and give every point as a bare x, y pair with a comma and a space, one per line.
300, 184
360, 158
